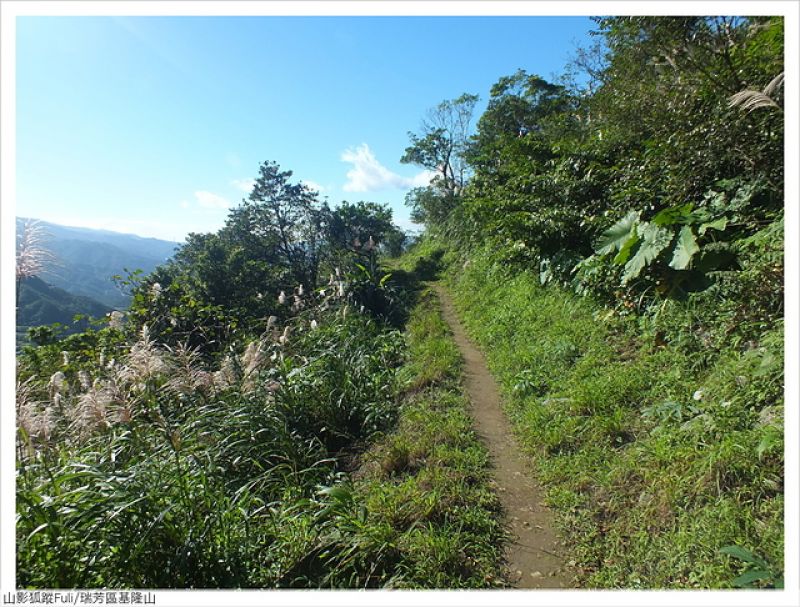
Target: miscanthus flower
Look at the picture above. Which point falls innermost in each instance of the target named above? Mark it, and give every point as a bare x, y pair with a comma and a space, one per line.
115, 319
313, 324
271, 321
698, 394
35, 421
145, 360
253, 357
91, 412
300, 290
187, 374
226, 375
282, 298
32, 255
85, 380
57, 383
284, 339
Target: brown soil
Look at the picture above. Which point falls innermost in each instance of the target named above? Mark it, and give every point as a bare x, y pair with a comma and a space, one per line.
533, 554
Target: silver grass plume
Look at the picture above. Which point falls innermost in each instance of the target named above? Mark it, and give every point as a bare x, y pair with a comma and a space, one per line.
750, 99
187, 375
144, 361
32, 255
35, 421
91, 413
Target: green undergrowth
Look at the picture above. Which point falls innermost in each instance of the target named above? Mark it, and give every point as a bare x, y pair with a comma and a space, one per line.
655, 457
426, 484
342, 457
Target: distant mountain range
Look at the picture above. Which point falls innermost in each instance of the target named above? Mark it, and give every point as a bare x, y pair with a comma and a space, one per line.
86, 259
78, 280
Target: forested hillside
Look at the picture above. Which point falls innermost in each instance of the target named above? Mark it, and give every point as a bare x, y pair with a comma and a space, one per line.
42, 304
282, 404
84, 261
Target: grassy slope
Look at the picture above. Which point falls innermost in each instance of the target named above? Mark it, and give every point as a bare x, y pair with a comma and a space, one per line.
426, 484
235, 482
648, 481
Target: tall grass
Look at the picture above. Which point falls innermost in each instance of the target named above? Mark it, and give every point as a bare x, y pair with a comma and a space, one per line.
156, 470
332, 452
422, 508
656, 456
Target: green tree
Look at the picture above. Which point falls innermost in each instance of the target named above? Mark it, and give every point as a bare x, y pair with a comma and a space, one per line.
355, 229
442, 143
519, 105
282, 223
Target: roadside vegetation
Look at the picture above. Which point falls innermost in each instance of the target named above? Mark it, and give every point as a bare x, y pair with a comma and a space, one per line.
317, 447
428, 482
617, 250
656, 458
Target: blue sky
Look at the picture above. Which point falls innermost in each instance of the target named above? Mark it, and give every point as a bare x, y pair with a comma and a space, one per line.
156, 125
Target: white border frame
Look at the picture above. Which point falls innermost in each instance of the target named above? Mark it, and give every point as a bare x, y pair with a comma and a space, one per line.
10, 9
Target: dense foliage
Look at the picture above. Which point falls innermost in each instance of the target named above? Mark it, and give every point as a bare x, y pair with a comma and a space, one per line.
657, 457
618, 251
207, 437
656, 176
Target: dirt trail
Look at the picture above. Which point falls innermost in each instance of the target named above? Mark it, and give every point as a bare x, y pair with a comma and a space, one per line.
533, 553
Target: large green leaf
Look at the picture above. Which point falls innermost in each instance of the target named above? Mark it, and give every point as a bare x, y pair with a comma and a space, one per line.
625, 251
746, 579
718, 224
615, 237
673, 215
685, 248
743, 555
709, 261
654, 240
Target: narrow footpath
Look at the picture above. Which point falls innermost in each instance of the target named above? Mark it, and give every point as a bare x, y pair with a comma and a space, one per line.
533, 554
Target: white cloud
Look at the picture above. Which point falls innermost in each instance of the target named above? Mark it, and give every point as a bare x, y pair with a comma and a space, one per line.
210, 200
405, 224
245, 185
369, 175
313, 185
420, 180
